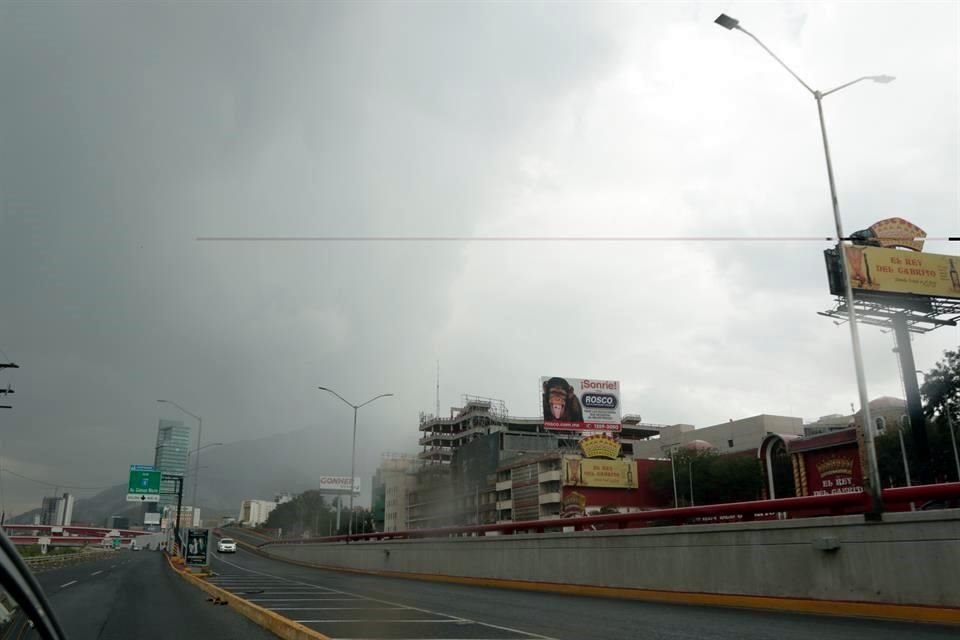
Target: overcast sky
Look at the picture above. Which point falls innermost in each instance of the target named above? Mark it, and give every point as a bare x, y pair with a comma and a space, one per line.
128, 131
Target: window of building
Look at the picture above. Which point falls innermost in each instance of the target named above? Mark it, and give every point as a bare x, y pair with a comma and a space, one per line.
730, 443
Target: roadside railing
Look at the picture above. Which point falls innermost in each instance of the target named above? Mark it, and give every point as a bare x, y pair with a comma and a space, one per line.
61, 559
898, 499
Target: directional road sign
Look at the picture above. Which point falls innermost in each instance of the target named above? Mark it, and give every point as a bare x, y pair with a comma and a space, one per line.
144, 485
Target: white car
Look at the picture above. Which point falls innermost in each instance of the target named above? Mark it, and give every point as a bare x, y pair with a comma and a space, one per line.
227, 545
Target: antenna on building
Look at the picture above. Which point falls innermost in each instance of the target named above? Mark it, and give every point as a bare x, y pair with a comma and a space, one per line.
438, 389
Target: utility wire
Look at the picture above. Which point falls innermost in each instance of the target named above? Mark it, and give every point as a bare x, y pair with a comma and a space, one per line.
57, 485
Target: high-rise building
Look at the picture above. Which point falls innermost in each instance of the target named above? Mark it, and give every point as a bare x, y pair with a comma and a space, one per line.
173, 444
57, 510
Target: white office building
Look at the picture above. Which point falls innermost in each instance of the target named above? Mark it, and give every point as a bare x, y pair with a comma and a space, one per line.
253, 513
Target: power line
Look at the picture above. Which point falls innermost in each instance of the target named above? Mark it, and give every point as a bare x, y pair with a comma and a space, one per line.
598, 239
58, 484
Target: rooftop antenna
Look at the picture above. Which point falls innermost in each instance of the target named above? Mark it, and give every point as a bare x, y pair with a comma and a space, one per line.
438, 389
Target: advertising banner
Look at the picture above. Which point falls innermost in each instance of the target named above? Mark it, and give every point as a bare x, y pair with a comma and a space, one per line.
595, 472
339, 484
828, 471
577, 404
151, 518
196, 549
880, 270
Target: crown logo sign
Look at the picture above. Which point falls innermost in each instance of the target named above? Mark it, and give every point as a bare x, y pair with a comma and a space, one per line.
600, 446
835, 467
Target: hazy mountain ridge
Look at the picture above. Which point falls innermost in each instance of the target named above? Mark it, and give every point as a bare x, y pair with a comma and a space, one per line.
258, 468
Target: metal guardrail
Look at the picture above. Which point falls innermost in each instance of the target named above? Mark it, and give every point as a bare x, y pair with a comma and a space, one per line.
72, 530
784, 508
35, 562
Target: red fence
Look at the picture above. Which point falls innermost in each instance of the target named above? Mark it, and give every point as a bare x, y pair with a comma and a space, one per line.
785, 508
72, 530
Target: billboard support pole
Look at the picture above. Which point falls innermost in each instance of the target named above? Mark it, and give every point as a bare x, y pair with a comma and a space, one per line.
918, 427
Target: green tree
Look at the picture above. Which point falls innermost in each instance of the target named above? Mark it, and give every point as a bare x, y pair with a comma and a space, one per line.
307, 514
716, 478
941, 395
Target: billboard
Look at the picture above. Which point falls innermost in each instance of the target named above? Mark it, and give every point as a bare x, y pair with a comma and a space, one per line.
143, 484
578, 404
196, 548
151, 518
881, 270
595, 472
339, 484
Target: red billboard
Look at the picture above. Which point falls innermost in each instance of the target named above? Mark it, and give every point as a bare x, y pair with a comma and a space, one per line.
827, 463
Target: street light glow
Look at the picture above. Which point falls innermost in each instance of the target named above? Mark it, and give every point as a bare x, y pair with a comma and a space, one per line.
883, 79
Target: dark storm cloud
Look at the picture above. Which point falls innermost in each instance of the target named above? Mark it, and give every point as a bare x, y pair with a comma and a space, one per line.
130, 130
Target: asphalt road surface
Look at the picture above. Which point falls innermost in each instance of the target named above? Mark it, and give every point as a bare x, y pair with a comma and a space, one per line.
136, 595
345, 605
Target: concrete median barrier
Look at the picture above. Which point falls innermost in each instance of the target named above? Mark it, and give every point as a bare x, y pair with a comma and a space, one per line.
902, 568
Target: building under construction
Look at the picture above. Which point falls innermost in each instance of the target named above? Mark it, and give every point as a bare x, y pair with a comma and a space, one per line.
456, 482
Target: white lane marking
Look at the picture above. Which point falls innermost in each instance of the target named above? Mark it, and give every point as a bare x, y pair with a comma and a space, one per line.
67, 584
337, 609
458, 621
96, 573
303, 599
261, 592
436, 613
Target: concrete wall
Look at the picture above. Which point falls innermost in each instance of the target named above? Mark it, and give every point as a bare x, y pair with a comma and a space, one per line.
746, 435
910, 558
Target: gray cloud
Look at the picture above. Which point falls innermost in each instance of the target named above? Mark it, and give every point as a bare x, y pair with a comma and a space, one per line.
128, 131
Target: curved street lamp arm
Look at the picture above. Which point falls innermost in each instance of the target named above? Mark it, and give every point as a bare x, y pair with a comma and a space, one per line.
782, 63
382, 395
880, 79
345, 401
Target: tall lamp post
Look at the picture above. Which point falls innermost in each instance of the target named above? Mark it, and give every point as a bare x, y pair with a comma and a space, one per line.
353, 455
196, 461
873, 472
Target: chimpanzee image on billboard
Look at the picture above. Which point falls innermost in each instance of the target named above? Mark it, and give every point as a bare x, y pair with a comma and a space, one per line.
580, 404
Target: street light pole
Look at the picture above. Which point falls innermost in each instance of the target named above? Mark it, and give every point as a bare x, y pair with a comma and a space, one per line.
196, 463
873, 472
353, 455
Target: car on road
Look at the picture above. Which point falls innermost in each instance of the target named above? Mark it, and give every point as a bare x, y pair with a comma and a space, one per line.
227, 545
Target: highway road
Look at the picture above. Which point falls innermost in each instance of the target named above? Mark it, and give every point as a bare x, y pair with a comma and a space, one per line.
345, 605
135, 594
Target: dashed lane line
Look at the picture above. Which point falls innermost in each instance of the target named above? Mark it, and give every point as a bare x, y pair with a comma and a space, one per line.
67, 584
452, 618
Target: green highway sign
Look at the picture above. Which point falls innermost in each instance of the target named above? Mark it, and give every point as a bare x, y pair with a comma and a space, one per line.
144, 484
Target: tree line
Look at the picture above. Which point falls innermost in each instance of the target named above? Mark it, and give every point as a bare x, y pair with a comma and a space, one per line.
311, 514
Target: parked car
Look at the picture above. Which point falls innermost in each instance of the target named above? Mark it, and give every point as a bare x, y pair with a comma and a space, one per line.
227, 545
